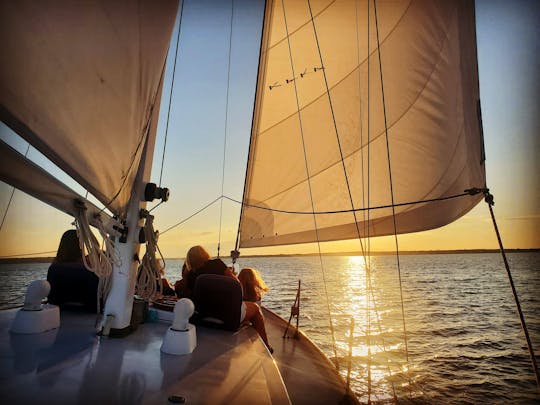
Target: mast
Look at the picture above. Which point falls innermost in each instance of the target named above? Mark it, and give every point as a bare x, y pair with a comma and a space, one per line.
119, 304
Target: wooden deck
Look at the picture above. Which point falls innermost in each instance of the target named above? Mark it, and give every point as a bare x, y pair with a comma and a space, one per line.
309, 376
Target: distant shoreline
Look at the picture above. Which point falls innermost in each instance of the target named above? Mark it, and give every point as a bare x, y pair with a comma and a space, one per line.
11, 260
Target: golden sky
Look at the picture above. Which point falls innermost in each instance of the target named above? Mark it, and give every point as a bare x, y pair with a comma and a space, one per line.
509, 84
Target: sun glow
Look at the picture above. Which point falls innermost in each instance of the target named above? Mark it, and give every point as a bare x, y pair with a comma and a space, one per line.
356, 261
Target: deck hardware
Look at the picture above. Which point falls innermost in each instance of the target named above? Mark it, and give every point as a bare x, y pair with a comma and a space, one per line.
295, 311
123, 235
151, 192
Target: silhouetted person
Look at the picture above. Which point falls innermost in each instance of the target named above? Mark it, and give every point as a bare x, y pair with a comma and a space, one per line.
72, 285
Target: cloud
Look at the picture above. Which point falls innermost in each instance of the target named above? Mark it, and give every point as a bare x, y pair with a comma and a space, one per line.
534, 217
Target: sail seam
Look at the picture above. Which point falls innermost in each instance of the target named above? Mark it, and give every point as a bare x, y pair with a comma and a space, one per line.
412, 104
370, 140
340, 81
300, 27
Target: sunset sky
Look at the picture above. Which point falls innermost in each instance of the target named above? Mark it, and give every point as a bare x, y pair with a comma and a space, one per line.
509, 64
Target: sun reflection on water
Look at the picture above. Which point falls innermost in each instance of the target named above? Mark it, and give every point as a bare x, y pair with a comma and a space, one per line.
377, 342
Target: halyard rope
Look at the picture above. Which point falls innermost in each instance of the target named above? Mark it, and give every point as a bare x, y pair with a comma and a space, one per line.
225, 129
171, 93
391, 183
308, 180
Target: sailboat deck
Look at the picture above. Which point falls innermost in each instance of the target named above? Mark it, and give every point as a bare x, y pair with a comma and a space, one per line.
309, 376
73, 365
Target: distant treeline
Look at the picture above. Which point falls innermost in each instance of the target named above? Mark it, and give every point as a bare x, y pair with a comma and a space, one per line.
9, 260
409, 252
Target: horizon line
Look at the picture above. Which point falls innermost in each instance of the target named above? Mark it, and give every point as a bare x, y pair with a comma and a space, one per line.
21, 259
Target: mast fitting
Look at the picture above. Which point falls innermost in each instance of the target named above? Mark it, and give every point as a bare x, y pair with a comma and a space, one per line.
152, 192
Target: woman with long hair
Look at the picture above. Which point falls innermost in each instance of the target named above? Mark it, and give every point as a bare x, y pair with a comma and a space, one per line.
198, 262
253, 285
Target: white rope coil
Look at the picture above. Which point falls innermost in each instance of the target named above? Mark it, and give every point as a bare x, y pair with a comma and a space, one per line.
150, 270
95, 259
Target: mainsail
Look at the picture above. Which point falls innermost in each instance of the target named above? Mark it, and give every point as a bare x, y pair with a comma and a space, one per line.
80, 82
362, 104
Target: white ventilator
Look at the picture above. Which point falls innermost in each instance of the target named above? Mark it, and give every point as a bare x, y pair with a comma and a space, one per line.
35, 317
181, 337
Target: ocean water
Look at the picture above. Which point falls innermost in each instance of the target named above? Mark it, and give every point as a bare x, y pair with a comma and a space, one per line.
463, 342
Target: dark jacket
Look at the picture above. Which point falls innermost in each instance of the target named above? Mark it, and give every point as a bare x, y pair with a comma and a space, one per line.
72, 286
213, 266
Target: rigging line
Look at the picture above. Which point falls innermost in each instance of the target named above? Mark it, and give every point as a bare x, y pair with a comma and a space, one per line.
12, 193
309, 182
191, 216
7, 208
155, 206
489, 201
347, 182
368, 209
367, 269
171, 92
260, 69
225, 129
391, 182
369, 140
360, 109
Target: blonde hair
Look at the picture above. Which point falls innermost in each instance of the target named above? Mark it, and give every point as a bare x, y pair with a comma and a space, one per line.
196, 257
252, 283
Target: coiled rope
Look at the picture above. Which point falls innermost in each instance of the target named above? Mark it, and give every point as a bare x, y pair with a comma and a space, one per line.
150, 270
95, 259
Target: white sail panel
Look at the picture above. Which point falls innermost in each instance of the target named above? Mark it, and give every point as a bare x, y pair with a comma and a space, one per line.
319, 138
25, 175
79, 80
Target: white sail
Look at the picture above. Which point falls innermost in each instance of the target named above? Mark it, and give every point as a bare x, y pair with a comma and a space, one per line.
33, 180
307, 100
79, 81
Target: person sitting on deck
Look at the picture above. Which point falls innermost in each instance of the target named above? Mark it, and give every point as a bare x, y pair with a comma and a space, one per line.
198, 262
180, 287
253, 285
72, 285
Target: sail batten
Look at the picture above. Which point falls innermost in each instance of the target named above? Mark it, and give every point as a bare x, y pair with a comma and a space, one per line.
79, 81
429, 68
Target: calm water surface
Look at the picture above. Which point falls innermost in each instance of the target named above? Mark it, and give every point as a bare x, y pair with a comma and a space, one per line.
463, 345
